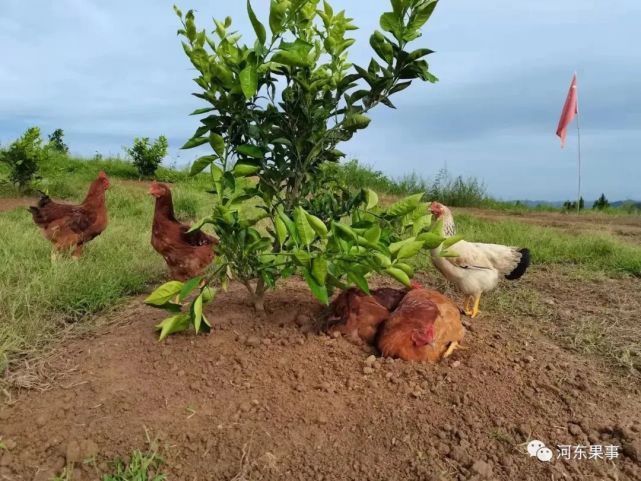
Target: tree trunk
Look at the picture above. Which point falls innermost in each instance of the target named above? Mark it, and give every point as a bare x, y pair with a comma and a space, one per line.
257, 295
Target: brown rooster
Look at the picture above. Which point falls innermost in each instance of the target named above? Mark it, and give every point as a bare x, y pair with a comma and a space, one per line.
358, 316
426, 326
187, 253
70, 226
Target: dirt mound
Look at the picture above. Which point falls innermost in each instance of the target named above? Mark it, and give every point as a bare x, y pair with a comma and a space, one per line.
270, 399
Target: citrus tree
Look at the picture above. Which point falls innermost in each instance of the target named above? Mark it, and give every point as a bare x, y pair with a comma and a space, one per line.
23, 157
276, 111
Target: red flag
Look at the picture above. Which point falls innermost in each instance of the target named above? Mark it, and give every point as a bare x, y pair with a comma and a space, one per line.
570, 109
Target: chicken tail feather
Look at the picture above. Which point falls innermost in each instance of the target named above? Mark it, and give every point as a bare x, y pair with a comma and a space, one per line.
521, 267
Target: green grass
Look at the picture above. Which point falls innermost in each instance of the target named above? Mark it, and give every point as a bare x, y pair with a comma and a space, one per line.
588, 251
40, 297
140, 467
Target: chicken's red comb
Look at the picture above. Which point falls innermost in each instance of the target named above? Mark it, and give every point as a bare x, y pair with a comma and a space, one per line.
416, 285
102, 175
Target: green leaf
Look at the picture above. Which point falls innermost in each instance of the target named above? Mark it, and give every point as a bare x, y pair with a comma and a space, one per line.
405, 268
382, 259
202, 111
405, 205
400, 86
291, 227
277, 11
396, 246
373, 234
249, 81
382, 47
303, 258
281, 230
197, 312
259, 28
399, 275
409, 250
173, 324
251, 151
359, 280
421, 15
390, 23
397, 6
305, 231
430, 239
318, 225
420, 224
189, 286
450, 241
345, 231
164, 293
418, 54
319, 269
194, 142
371, 198
319, 290
201, 164
291, 59
208, 294
217, 143
437, 227
356, 121
245, 169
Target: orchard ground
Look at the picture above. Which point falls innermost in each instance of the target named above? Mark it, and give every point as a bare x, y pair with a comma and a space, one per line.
555, 356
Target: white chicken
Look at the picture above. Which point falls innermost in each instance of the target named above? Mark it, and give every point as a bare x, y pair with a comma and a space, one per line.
477, 268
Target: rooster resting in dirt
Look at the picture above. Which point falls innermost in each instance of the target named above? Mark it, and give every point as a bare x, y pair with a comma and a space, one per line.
187, 253
426, 326
70, 226
477, 267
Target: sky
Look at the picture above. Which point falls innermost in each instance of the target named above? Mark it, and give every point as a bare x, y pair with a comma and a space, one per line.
106, 72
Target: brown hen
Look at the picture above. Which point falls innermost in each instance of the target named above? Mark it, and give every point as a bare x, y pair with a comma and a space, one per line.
187, 254
426, 326
68, 226
357, 316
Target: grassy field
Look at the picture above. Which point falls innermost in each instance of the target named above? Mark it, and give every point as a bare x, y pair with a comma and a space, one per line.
581, 295
42, 299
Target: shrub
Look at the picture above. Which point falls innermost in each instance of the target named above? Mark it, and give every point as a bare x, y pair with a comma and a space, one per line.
277, 110
457, 192
24, 157
57, 143
147, 156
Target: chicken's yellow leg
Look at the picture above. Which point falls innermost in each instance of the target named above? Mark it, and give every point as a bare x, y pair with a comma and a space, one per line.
475, 308
467, 305
453, 345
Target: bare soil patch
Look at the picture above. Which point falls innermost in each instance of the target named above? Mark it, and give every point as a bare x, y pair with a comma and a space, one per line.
270, 399
10, 203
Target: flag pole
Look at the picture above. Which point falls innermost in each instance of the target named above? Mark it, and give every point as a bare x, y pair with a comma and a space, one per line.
578, 137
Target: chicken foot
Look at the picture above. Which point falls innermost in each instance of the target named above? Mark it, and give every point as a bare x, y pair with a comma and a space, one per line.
471, 305
451, 348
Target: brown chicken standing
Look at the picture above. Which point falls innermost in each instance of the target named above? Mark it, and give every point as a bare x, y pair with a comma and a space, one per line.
70, 226
358, 316
187, 253
426, 326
